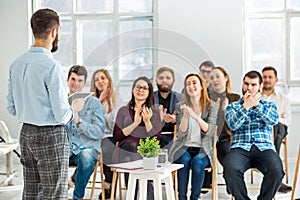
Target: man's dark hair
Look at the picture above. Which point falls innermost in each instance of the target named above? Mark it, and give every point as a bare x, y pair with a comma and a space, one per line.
267, 68
43, 21
253, 74
207, 63
79, 70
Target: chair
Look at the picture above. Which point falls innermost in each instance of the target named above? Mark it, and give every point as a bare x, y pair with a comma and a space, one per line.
296, 175
7, 146
213, 168
92, 181
285, 161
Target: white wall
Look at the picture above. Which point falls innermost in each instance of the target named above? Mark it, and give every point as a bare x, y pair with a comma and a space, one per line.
188, 32
14, 41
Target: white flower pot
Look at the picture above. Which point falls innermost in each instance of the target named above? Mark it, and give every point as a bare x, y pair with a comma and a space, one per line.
150, 163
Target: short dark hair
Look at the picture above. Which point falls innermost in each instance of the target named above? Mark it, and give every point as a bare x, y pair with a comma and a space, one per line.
270, 68
163, 69
79, 70
43, 21
207, 63
253, 74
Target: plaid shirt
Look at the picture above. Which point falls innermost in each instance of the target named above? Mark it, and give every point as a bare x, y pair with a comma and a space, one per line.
253, 126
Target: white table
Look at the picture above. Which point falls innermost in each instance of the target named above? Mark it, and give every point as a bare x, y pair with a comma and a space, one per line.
158, 175
6, 149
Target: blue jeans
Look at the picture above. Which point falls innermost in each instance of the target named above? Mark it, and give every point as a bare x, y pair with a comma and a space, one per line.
85, 162
191, 159
238, 160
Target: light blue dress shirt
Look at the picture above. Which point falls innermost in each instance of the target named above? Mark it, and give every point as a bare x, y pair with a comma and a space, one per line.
91, 129
37, 90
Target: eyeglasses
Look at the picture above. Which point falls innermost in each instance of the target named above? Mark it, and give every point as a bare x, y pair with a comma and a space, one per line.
138, 87
204, 71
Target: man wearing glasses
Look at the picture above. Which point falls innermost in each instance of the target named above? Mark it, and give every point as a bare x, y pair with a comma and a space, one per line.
204, 71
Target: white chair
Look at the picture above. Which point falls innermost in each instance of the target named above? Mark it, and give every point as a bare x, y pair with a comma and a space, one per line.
7, 146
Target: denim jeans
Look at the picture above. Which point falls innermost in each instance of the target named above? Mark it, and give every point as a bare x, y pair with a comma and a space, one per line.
85, 162
191, 159
238, 160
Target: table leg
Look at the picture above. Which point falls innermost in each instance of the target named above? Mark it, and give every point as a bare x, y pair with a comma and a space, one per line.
9, 167
157, 188
143, 188
131, 187
169, 187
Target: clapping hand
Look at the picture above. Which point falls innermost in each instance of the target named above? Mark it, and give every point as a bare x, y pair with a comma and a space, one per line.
162, 112
188, 111
146, 114
251, 100
137, 116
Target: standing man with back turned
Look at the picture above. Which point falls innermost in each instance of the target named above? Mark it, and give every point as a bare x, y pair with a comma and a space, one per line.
251, 120
283, 104
37, 95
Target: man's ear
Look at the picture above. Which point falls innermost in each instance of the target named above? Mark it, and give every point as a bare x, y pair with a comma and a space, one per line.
53, 32
276, 79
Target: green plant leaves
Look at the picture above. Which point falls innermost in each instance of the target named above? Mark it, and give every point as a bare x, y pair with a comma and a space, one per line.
149, 147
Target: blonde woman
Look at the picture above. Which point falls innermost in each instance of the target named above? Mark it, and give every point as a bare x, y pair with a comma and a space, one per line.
102, 86
195, 120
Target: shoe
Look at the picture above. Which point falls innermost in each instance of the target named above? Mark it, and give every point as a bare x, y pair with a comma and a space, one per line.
107, 194
71, 181
284, 188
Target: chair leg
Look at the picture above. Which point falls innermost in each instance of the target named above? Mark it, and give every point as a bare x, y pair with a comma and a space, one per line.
113, 184
102, 180
94, 180
286, 159
296, 175
175, 181
120, 185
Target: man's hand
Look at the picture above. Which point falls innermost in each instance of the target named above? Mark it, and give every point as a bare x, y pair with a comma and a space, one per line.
162, 112
251, 100
77, 104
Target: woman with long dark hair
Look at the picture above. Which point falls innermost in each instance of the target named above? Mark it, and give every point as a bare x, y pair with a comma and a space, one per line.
138, 120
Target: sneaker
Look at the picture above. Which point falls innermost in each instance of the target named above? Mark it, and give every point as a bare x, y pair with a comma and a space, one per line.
71, 181
284, 188
107, 194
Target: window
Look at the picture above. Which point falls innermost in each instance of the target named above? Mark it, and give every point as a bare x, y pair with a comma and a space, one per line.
113, 34
271, 29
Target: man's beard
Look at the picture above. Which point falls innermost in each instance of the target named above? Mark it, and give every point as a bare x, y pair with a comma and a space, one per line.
55, 44
163, 88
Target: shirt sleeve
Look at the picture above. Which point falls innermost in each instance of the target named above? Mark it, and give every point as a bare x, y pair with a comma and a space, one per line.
95, 127
10, 98
58, 94
235, 115
268, 112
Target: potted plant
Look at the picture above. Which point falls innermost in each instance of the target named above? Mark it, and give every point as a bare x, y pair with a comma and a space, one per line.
149, 150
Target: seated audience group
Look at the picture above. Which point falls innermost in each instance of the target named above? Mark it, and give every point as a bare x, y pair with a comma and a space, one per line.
244, 127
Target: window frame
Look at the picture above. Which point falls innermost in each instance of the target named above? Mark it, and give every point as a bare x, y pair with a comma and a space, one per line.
116, 17
285, 14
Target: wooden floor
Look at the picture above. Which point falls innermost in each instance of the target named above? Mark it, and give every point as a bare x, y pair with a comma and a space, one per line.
15, 192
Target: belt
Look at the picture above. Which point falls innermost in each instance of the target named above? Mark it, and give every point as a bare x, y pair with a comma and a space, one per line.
47, 126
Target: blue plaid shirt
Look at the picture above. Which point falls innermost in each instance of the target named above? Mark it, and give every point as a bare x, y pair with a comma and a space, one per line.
252, 127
